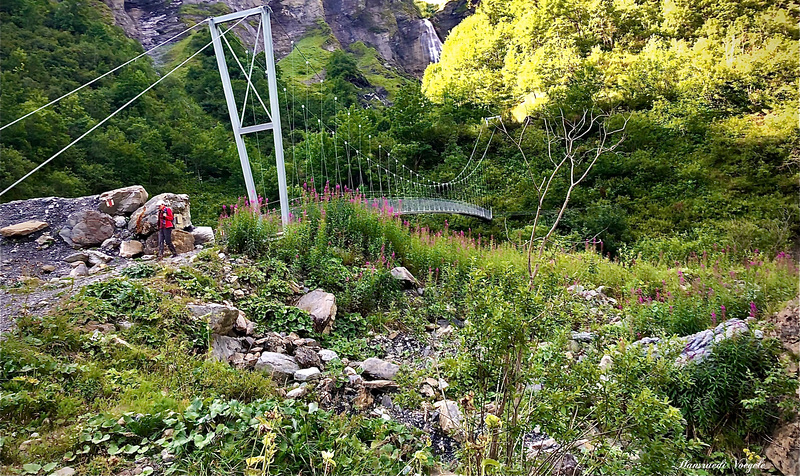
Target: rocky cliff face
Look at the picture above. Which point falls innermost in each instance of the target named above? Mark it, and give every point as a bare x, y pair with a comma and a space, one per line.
393, 27
452, 14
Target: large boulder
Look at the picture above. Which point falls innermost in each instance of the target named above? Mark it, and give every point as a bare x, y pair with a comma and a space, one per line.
144, 220
87, 228
122, 201
450, 419
322, 307
307, 357
280, 366
379, 369
23, 229
131, 248
183, 241
220, 318
203, 234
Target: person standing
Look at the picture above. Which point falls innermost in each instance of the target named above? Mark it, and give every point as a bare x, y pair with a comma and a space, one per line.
165, 225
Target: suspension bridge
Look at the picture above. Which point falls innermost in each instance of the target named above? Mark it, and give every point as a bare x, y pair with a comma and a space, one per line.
340, 161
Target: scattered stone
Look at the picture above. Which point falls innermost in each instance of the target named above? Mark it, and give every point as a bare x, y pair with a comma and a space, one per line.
45, 240
97, 257
305, 375
299, 392
65, 471
79, 270
144, 220
380, 384
111, 243
183, 241
48, 268
273, 342
405, 277
585, 337
450, 419
23, 229
567, 465
432, 382
220, 318
306, 357
223, 348
120, 221
322, 308
122, 201
76, 257
443, 385
93, 326
327, 355
87, 228
166, 456
130, 248
203, 234
379, 369
606, 362
784, 450
280, 366
98, 268
243, 325
125, 324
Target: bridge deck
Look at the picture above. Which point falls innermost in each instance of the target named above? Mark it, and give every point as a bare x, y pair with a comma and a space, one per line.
412, 206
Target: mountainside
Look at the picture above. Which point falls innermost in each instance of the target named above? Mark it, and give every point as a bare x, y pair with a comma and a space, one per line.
393, 27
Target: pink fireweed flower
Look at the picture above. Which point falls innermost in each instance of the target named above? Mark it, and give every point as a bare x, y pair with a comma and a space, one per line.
723, 310
753, 309
713, 318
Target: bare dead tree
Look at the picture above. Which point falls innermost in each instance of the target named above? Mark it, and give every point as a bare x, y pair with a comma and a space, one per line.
573, 148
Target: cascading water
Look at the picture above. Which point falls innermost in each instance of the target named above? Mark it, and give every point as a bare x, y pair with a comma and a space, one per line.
431, 42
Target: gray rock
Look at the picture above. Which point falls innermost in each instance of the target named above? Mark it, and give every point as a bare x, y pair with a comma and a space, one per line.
220, 318
307, 357
79, 270
223, 348
380, 384
243, 325
144, 220
120, 221
122, 201
280, 366
305, 375
585, 337
182, 240
322, 308
97, 257
110, 243
379, 369
65, 471
87, 228
299, 392
45, 240
75, 257
327, 355
405, 277
203, 234
450, 419
130, 248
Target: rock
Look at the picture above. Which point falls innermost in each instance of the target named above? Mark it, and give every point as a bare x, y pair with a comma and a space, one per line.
427, 391
787, 327
183, 241
122, 201
93, 326
299, 392
203, 234
327, 355
48, 268
305, 375
322, 307
585, 337
144, 220
120, 222
784, 451
432, 382
281, 367
97, 257
130, 248
87, 228
450, 419
111, 243
45, 240
223, 348
243, 325
405, 277
380, 384
65, 471
220, 318
23, 229
567, 465
76, 257
307, 357
379, 369
79, 270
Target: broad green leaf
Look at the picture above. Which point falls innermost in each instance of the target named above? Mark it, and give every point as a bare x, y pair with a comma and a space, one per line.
32, 468
49, 467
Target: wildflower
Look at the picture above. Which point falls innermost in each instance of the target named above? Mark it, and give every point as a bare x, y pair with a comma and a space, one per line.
722, 308
753, 309
713, 318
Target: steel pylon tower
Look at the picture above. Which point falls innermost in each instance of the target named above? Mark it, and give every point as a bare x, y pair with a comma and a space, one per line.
274, 112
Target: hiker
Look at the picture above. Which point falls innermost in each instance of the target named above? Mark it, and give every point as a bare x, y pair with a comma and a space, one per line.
165, 226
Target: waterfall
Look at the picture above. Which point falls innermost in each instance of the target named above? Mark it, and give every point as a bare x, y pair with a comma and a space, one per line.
431, 42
